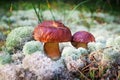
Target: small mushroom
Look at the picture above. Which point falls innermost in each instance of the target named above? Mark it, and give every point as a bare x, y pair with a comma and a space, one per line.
51, 33
81, 39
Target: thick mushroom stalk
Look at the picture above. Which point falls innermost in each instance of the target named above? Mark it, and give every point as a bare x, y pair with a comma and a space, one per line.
81, 39
52, 33
52, 50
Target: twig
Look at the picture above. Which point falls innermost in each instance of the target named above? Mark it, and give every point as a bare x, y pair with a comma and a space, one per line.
86, 67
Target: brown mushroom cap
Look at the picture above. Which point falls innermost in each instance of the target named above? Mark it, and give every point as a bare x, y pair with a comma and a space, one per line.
52, 31
83, 37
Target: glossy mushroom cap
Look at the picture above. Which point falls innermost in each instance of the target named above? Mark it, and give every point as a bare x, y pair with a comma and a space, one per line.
82, 37
52, 31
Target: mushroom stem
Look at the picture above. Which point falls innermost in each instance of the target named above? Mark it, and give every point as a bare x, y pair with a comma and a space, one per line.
52, 50
79, 44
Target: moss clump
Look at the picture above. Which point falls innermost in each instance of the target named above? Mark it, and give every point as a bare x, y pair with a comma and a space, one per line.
5, 58
32, 46
117, 42
18, 37
73, 52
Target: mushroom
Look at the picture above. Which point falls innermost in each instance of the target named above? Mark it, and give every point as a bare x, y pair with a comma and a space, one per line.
51, 33
81, 39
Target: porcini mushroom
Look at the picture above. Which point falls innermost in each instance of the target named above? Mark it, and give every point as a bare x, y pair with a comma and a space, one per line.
81, 39
51, 33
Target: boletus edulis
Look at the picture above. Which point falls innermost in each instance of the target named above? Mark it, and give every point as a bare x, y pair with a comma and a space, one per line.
81, 39
52, 33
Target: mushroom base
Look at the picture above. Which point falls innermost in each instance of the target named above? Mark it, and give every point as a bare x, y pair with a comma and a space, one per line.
52, 50
79, 44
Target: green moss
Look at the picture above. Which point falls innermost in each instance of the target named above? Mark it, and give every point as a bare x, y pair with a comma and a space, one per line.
32, 46
5, 58
18, 36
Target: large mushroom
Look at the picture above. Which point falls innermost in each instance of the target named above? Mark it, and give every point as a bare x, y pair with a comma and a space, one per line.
51, 33
81, 39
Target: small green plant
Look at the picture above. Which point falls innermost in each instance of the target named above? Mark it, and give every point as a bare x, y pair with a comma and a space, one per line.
92, 74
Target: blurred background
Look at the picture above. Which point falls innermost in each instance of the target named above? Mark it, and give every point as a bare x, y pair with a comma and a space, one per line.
105, 5
86, 14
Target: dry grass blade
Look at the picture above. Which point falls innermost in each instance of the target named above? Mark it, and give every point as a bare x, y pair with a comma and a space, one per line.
84, 68
40, 11
49, 7
11, 7
37, 13
76, 8
80, 72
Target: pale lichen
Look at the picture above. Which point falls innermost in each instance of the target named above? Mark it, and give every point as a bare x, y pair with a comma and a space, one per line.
73, 57
42, 66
